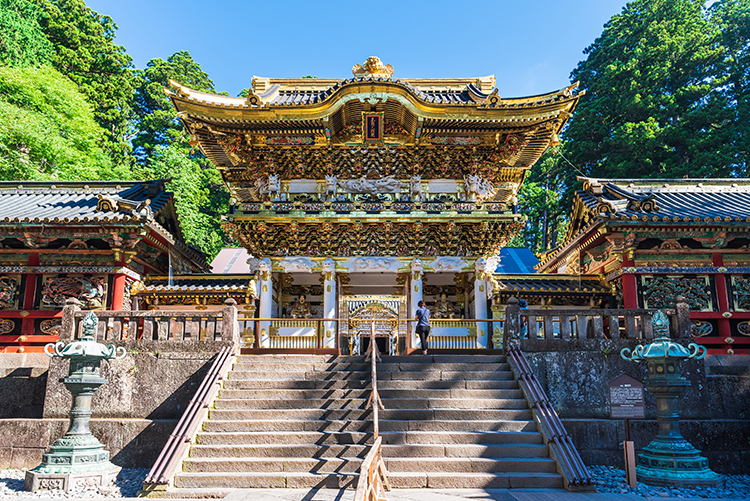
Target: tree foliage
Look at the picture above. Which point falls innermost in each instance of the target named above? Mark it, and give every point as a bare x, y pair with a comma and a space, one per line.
653, 106
161, 145
47, 129
85, 52
22, 42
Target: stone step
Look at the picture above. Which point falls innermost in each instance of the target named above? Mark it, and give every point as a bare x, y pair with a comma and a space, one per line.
364, 438
285, 394
355, 450
470, 465
365, 414
352, 465
282, 425
276, 450
521, 480
261, 375
244, 480
292, 437
413, 359
382, 368
361, 403
268, 465
239, 384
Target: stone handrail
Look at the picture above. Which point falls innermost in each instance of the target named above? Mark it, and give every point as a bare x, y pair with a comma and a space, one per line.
579, 323
156, 325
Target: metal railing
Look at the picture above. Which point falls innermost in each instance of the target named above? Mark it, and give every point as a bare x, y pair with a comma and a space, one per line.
163, 471
475, 328
373, 475
574, 471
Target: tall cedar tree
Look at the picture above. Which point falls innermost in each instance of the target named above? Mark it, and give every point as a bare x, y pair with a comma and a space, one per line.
85, 52
161, 146
653, 106
731, 19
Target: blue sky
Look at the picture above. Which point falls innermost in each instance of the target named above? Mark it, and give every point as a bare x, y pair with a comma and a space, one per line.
531, 46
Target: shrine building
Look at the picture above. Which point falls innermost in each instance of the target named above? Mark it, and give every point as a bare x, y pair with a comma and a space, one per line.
372, 191
656, 239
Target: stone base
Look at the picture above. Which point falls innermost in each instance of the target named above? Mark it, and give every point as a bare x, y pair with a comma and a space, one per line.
681, 483
36, 481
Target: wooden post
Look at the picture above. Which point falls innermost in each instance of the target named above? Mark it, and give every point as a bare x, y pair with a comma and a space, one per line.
512, 330
69, 323
230, 328
629, 451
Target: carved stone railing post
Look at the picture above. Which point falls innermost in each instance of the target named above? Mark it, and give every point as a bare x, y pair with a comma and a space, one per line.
230, 329
683, 325
69, 324
512, 331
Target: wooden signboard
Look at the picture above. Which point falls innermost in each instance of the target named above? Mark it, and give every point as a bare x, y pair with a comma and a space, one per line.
626, 402
626, 398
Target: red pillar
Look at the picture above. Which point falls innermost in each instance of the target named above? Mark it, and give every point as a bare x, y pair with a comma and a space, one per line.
722, 297
118, 294
629, 287
27, 324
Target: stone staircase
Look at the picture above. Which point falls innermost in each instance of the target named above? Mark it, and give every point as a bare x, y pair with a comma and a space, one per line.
299, 421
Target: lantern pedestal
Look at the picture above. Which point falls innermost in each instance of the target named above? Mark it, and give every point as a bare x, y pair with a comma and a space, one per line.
669, 459
78, 460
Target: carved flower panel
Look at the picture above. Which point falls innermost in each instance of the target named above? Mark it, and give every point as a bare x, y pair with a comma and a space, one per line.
10, 292
90, 290
740, 286
660, 291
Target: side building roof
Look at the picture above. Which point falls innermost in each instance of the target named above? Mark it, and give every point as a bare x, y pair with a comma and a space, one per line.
655, 202
96, 203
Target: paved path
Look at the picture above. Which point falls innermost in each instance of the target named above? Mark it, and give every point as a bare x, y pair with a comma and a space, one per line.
440, 495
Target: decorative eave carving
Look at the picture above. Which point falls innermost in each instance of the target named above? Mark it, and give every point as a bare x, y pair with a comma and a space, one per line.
373, 67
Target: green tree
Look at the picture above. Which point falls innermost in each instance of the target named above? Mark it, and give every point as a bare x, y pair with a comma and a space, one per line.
540, 199
157, 120
731, 20
47, 129
22, 41
162, 148
653, 106
85, 52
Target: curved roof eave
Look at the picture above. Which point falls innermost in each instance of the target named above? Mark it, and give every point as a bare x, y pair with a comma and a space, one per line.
239, 109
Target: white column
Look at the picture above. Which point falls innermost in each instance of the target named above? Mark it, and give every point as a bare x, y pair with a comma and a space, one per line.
416, 294
265, 285
330, 332
480, 300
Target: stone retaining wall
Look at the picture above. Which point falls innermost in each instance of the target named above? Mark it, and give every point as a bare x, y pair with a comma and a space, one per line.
715, 409
131, 442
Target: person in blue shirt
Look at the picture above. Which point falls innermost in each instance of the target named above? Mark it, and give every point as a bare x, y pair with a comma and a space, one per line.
423, 325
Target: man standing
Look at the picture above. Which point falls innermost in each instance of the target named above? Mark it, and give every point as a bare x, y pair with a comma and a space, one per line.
423, 325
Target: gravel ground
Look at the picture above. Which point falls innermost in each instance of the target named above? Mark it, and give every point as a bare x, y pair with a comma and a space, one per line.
129, 482
608, 479
612, 480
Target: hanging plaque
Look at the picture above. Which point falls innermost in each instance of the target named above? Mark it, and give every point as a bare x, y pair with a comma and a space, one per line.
372, 127
626, 398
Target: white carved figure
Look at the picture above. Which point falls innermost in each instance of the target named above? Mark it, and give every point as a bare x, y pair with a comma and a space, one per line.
329, 266
416, 266
374, 263
331, 186
252, 264
263, 187
264, 265
387, 184
393, 344
478, 188
480, 266
492, 263
297, 264
416, 187
448, 264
